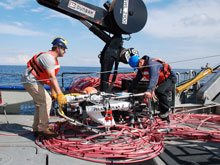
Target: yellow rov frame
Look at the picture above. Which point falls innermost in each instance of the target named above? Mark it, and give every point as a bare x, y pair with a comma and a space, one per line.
200, 76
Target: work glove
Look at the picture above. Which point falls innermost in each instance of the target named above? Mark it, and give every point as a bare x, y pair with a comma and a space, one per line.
61, 99
53, 97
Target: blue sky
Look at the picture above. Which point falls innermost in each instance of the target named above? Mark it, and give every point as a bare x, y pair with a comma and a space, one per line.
176, 30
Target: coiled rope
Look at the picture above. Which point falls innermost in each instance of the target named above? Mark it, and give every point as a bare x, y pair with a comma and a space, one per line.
127, 144
79, 83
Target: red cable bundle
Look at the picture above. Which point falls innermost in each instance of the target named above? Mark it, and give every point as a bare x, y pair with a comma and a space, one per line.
131, 144
78, 83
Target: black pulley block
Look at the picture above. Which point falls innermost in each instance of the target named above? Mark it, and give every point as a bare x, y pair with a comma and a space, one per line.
130, 16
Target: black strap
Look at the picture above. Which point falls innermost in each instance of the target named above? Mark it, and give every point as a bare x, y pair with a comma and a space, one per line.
33, 64
37, 65
114, 76
33, 68
166, 72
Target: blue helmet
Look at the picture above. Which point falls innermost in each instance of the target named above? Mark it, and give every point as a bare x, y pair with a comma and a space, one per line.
133, 61
59, 42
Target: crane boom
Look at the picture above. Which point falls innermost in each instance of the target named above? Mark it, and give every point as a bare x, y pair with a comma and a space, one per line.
116, 18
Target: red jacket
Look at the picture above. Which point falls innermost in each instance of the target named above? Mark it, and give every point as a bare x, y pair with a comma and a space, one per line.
38, 71
163, 73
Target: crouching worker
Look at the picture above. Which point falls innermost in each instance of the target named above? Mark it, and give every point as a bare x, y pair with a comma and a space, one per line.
42, 69
161, 80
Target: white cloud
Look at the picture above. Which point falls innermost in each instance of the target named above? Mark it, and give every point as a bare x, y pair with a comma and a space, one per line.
55, 14
18, 29
15, 59
18, 24
186, 19
11, 4
151, 1
37, 10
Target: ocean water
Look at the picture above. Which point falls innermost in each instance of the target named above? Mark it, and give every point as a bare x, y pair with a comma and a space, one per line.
10, 75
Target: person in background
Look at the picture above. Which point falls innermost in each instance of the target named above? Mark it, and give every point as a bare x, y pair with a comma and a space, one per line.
161, 80
42, 69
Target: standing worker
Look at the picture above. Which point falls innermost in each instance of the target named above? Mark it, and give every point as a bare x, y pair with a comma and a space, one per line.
42, 69
161, 80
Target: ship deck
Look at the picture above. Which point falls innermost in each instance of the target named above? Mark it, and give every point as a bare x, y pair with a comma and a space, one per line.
18, 147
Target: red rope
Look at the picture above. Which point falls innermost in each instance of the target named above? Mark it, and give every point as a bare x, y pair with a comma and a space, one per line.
126, 144
129, 144
78, 83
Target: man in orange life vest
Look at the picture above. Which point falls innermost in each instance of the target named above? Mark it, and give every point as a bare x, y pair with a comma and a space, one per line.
42, 69
161, 80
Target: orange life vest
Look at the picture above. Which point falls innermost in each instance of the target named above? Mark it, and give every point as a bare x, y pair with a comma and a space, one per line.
38, 71
163, 73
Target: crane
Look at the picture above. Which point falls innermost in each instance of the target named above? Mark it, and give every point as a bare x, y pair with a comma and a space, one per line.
109, 24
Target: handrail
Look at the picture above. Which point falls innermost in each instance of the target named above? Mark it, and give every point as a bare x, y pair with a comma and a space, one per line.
81, 73
64, 73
